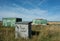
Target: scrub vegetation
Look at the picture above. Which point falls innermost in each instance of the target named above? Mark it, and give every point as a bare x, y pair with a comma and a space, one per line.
49, 32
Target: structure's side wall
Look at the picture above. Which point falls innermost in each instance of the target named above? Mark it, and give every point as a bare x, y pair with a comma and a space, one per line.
29, 30
21, 30
13, 22
37, 22
4, 22
9, 21
24, 31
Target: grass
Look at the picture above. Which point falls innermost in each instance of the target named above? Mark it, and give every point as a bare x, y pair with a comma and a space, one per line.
46, 33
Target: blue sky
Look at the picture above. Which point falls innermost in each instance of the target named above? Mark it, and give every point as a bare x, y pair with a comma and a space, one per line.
31, 9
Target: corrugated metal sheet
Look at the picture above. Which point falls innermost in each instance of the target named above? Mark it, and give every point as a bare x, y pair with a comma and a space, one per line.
9, 21
23, 30
39, 21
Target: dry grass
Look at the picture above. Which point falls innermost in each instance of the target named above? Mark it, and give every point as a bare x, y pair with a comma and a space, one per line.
46, 33
54, 22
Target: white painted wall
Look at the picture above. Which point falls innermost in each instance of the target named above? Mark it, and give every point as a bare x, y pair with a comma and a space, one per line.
21, 30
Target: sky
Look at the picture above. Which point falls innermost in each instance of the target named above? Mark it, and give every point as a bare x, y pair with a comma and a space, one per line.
29, 10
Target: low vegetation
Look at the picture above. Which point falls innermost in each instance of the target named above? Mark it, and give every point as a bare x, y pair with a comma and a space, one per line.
46, 33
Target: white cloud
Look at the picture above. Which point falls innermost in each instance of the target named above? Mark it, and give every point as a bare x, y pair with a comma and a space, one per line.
26, 14
41, 2
55, 17
16, 10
